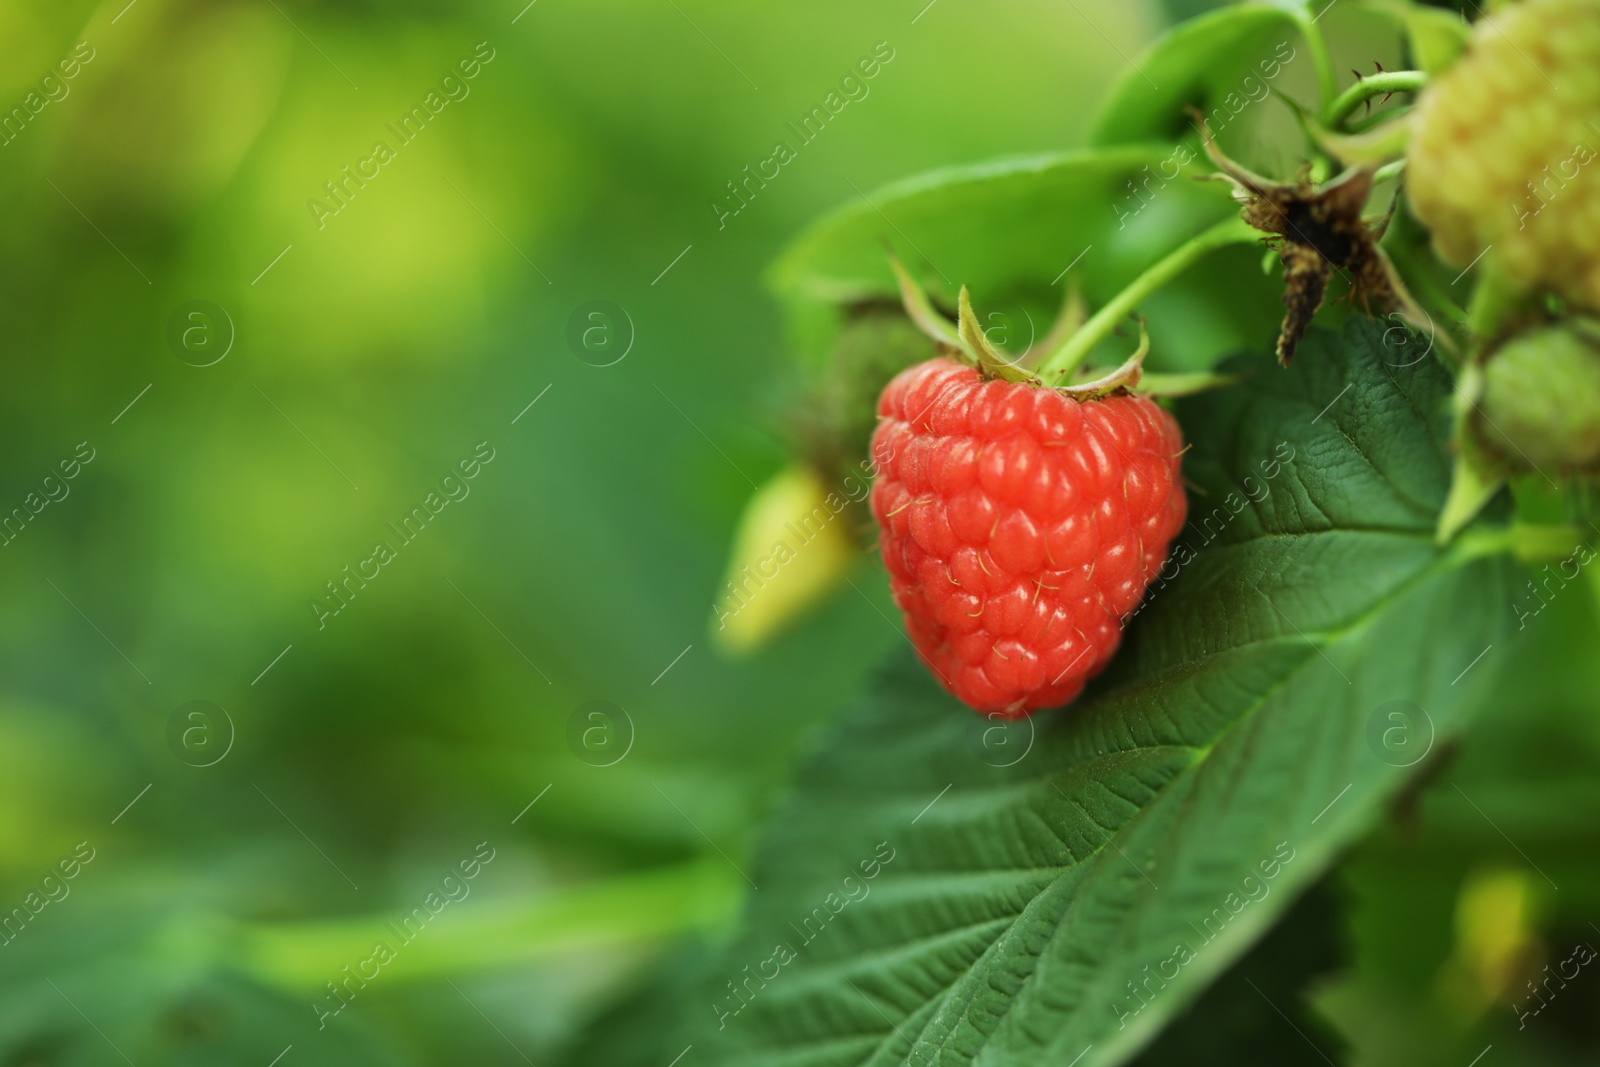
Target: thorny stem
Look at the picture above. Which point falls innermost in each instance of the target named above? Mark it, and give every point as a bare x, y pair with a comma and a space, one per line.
1391, 81
1076, 348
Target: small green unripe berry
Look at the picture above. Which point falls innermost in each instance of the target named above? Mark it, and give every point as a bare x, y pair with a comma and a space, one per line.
1539, 407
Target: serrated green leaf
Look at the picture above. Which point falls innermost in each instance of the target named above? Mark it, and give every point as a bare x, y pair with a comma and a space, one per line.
1233, 734
1204, 63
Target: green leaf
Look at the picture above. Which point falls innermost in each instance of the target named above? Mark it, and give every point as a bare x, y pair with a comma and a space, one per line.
1517, 803
1435, 36
999, 224
1224, 60
993, 225
1011, 231
1233, 1024
1243, 730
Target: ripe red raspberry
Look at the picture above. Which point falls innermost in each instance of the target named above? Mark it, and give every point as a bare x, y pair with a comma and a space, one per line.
1019, 525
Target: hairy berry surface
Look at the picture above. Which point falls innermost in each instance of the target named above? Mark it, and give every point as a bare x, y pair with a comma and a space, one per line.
1019, 526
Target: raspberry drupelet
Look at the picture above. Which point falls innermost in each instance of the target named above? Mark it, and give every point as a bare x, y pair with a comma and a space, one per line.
1019, 525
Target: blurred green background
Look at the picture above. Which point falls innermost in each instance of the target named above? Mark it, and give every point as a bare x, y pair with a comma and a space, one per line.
245, 851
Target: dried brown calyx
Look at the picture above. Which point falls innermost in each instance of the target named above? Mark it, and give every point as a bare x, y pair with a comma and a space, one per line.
1317, 230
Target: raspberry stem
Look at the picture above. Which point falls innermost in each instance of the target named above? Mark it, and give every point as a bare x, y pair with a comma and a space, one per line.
1494, 300
1061, 362
1532, 543
1391, 81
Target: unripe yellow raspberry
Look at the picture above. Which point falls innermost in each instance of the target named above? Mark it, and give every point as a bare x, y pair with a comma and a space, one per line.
1505, 152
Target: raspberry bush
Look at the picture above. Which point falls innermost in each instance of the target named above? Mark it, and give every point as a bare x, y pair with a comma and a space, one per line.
1008, 927
1201, 602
